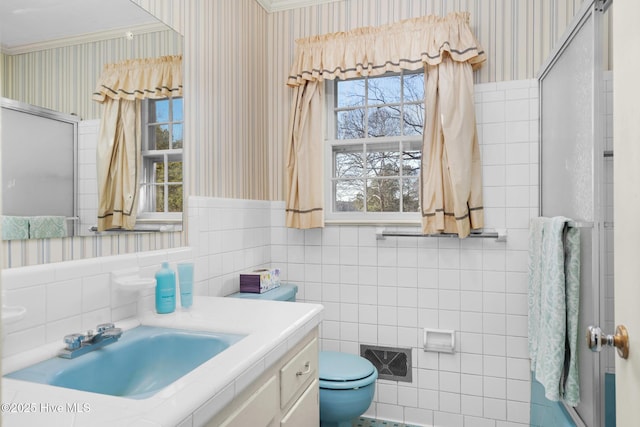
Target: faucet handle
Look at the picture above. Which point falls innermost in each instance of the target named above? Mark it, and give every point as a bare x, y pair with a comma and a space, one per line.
104, 327
74, 341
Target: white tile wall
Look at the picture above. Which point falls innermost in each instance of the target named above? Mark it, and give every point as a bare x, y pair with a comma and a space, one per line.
74, 296
87, 173
383, 292
380, 292
230, 236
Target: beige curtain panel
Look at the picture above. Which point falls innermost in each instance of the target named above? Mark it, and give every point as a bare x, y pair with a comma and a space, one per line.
118, 162
304, 205
120, 89
451, 172
451, 193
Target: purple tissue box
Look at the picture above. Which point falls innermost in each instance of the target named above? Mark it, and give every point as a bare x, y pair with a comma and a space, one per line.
259, 281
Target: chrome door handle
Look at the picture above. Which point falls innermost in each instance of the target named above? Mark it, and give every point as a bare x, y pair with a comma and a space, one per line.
596, 340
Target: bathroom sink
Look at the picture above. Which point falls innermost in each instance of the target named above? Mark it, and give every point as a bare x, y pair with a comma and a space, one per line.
141, 363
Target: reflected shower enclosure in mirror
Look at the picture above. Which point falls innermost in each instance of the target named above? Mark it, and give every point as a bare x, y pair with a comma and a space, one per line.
38, 169
54, 68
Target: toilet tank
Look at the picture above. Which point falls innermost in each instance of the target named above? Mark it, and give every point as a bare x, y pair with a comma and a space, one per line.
285, 292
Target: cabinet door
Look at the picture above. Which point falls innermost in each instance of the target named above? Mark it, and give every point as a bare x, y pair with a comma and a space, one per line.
306, 411
259, 410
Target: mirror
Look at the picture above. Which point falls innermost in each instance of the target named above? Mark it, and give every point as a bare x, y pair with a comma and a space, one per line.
54, 68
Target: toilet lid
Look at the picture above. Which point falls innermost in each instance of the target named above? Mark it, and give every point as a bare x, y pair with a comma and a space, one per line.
335, 366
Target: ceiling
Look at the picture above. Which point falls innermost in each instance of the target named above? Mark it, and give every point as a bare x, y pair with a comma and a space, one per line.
27, 22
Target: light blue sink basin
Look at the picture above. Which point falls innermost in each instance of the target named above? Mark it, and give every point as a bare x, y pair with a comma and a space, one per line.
141, 363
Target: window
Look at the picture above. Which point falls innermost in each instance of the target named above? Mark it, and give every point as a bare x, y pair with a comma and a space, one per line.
161, 180
375, 138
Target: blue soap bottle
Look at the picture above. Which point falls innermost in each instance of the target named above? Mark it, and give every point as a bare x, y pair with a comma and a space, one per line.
165, 290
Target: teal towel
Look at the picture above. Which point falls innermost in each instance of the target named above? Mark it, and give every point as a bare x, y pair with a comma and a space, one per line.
15, 227
43, 227
554, 298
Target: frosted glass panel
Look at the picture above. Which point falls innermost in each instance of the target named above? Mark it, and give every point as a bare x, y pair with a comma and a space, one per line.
37, 164
567, 130
567, 179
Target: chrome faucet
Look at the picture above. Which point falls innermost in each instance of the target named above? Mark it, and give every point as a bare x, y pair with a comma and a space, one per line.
79, 344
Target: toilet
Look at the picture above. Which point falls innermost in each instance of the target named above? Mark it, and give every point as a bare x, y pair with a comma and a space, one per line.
347, 385
347, 381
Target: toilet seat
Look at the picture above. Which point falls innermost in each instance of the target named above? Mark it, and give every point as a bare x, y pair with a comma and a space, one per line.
342, 371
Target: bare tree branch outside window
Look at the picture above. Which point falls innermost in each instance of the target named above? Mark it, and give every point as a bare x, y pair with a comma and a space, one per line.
382, 118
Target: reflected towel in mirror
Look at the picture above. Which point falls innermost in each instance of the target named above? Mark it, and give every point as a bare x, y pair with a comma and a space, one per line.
15, 227
42, 227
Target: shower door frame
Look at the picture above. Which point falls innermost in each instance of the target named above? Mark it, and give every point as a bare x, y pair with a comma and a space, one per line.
589, 14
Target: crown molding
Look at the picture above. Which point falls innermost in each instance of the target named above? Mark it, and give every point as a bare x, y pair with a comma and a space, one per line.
279, 5
86, 38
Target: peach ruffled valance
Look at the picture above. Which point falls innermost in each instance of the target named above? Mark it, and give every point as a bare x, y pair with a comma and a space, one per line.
140, 79
369, 51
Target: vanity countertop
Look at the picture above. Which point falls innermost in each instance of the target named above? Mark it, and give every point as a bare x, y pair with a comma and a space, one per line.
273, 327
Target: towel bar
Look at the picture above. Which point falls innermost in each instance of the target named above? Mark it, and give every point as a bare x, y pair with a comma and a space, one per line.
499, 235
580, 224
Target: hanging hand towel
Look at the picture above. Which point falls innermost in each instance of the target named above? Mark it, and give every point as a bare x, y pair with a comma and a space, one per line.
554, 281
15, 227
570, 387
42, 227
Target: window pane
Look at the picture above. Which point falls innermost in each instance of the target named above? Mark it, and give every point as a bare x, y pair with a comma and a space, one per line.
350, 124
383, 195
410, 195
411, 159
164, 131
384, 90
413, 87
159, 111
386, 176
175, 198
383, 160
159, 207
175, 171
177, 135
158, 175
350, 93
384, 121
413, 119
349, 195
348, 161
159, 137
146, 197
177, 110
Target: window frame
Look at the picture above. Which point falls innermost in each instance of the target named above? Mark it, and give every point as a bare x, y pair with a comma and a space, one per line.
148, 158
331, 141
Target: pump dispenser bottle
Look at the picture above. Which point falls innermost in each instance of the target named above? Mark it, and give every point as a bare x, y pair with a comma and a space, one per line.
165, 290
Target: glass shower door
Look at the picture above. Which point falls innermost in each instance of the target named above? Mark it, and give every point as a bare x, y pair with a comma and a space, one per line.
570, 172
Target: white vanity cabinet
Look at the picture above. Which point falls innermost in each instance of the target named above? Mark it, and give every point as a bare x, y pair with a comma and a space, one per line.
285, 395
